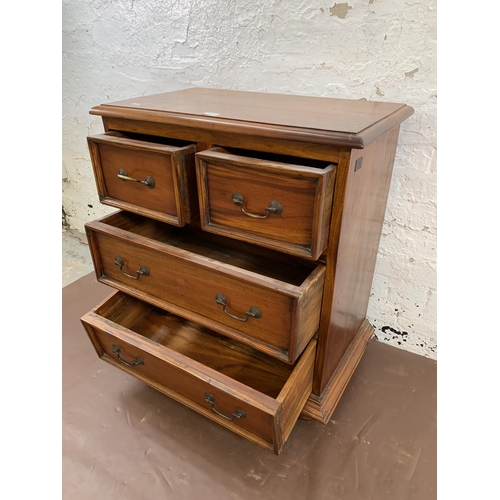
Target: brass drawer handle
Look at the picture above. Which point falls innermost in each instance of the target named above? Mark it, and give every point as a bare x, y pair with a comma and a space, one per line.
253, 312
148, 181
137, 360
274, 207
209, 398
143, 270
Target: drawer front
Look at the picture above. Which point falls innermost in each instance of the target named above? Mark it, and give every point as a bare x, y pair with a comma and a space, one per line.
195, 288
277, 320
245, 391
151, 179
179, 376
281, 206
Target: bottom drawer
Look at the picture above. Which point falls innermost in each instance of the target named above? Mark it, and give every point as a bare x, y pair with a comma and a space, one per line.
250, 393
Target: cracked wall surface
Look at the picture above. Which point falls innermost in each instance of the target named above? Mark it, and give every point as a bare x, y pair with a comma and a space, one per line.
381, 50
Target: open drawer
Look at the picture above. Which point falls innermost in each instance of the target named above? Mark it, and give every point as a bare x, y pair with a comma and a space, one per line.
276, 201
242, 389
257, 296
152, 176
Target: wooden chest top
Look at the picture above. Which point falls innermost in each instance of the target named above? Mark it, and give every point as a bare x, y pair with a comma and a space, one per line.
341, 122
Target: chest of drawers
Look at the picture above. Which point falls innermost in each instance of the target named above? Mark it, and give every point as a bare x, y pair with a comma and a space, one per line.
243, 252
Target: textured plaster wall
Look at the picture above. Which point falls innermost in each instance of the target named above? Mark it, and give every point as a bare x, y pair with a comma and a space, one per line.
375, 49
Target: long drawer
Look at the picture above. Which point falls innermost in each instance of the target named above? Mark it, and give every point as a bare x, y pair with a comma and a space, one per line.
276, 201
242, 389
254, 295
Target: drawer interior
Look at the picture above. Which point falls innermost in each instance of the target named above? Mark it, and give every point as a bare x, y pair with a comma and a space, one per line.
263, 261
278, 158
150, 138
237, 361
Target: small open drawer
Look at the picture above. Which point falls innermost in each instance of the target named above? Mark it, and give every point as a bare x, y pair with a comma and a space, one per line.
151, 176
244, 390
276, 201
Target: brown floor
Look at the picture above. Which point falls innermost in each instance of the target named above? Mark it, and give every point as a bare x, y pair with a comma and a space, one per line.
124, 440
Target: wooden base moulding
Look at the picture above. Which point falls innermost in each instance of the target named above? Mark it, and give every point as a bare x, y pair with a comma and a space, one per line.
321, 408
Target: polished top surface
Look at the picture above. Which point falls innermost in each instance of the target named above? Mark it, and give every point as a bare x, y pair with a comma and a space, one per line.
320, 113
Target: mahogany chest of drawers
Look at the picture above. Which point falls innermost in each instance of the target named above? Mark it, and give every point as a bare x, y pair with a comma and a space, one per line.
244, 248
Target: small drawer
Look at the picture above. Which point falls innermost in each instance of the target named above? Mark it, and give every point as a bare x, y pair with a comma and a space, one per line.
246, 391
279, 202
257, 296
151, 176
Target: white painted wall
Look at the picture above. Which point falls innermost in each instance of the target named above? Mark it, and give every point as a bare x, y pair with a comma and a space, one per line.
377, 49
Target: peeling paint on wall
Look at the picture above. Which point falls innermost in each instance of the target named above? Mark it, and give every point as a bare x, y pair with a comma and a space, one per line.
411, 74
119, 50
340, 10
65, 222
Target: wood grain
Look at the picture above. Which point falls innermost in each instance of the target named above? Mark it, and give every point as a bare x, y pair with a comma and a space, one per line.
295, 392
308, 310
187, 283
299, 188
323, 113
321, 408
259, 260
309, 271
327, 121
173, 198
208, 135
357, 218
189, 360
